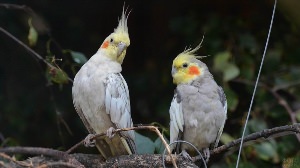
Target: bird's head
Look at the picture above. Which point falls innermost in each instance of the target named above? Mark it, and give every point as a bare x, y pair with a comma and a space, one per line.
116, 43
186, 67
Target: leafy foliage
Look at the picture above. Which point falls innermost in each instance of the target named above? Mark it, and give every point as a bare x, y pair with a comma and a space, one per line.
32, 35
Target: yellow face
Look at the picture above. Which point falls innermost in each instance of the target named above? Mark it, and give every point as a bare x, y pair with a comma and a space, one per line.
115, 45
184, 71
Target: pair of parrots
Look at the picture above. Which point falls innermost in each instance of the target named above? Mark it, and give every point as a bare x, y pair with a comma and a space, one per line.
101, 98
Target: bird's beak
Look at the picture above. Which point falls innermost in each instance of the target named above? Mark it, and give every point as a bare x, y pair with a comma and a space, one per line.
121, 47
174, 70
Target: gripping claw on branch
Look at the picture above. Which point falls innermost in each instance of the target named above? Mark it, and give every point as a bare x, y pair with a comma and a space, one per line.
89, 141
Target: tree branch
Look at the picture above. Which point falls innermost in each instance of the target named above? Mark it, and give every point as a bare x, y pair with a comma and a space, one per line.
4, 156
151, 128
295, 128
42, 151
18, 7
136, 160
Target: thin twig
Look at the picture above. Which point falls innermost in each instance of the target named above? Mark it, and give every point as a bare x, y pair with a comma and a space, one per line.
287, 107
32, 52
286, 85
295, 128
166, 145
151, 128
265, 134
279, 99
3, 155
18, 7
75, 146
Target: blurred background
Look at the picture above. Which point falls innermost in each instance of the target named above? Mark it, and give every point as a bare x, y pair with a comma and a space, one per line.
36, 101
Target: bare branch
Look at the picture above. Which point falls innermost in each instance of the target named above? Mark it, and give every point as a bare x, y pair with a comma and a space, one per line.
295, 128
266, 133
287, 85
137, 159
17, 7
279, 98
42, 151
3, 155
32, 52
291, 113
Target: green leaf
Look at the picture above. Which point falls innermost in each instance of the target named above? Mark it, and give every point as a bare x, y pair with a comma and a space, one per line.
78, 57
32, 35
144, 145
57, 75
159, 146
222, 64
221, 60
231, 71
265, 151
226, 138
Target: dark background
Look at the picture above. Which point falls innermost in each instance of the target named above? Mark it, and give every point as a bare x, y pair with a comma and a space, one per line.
38, 112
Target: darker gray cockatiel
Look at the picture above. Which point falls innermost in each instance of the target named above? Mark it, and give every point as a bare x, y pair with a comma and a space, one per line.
199, 107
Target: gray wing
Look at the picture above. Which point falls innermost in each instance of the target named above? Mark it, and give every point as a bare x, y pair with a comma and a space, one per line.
117, 104
176, 118
223, 100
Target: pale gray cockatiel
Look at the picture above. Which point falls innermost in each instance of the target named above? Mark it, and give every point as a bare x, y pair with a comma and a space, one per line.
199, 107
101, 96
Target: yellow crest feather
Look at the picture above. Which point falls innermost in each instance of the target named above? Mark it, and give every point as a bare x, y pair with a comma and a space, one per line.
122, 26
191, 52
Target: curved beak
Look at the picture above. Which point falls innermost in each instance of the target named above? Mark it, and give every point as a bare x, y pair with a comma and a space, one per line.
174, 70
121, 47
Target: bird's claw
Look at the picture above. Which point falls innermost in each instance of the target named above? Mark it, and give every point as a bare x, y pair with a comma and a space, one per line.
186, 155
110, 132
89, 141
206, 154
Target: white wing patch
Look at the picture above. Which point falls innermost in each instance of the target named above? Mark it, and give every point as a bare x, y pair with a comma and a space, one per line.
117, 102
176, 117
224, 103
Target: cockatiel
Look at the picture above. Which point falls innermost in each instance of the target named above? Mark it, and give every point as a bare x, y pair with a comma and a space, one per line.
101, 96
199, 107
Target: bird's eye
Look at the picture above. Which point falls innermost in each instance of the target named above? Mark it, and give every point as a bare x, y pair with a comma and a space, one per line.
184, 65
111, 40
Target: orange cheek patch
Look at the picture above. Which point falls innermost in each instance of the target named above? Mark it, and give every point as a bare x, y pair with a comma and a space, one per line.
193, 70
105, 44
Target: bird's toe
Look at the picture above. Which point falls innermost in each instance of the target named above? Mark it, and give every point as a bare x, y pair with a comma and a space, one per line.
89, 140
110, 132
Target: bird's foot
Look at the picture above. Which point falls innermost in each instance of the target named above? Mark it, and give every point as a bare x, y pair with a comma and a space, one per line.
89, 141
206, 154
186, 155
110, 132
